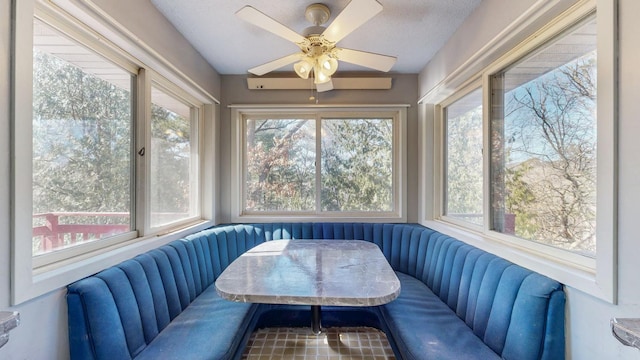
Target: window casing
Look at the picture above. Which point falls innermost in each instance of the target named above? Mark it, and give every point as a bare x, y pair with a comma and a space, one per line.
593, 117
308, 163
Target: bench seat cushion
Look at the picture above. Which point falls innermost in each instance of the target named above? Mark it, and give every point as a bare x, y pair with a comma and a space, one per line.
209, 328
424, 327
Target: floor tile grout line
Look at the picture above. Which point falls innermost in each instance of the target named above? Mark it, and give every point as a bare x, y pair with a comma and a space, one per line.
333, 344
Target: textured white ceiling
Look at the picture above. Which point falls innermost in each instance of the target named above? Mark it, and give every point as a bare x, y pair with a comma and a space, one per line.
412, 30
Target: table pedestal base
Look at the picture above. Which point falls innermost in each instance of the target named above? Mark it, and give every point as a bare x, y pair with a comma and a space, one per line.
315, 320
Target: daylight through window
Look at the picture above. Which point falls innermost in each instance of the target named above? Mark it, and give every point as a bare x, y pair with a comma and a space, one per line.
82, 130
463, 126
319, 163
173, 180
543, 144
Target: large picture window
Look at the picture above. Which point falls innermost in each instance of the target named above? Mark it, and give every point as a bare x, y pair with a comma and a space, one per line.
82, 131
320, 164
539, 185
543, 144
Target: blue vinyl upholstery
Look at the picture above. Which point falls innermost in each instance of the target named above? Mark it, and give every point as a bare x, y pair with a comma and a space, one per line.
456, 301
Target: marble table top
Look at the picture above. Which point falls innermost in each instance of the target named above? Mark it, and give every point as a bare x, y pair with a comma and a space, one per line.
311, 272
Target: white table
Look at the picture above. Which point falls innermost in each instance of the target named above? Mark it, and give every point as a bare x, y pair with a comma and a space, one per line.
311, 272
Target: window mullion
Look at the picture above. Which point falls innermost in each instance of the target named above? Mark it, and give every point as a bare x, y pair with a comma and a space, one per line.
318, 120
496, 154
143, 131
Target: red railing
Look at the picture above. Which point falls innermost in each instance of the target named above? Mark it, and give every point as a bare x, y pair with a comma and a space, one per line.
52, 233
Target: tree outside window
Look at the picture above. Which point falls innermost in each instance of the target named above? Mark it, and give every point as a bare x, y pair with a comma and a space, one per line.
543, 138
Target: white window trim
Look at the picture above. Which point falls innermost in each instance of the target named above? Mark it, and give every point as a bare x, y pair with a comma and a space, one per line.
35, 276
398, 214
598, 276
441, 134
169, 88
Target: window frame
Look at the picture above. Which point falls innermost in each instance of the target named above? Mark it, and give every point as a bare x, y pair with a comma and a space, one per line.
32, 276
196, 125
595, 276
442, 120
396, 112
78, 36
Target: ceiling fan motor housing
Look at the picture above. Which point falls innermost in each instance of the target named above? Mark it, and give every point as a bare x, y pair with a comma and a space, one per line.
317, 14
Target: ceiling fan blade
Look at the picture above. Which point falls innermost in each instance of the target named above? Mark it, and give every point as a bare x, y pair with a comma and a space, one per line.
353, 16
258, 18
275, 64
325, 86
366, 59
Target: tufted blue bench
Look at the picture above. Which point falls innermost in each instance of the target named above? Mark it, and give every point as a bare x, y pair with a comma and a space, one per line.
456, 302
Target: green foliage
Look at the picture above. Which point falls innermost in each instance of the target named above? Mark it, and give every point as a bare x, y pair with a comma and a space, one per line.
170, 165
280, 165
81, 140
357, 165
520, 201
356, 162
464, 166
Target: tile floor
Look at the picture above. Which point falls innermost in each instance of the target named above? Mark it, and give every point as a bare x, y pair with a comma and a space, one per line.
356, 343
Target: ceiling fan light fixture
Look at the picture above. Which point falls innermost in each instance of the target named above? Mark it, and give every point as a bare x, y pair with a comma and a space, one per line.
328, 64
303, 68
321, 76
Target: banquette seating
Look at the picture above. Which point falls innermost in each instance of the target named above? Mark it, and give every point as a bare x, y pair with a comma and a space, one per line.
456, 301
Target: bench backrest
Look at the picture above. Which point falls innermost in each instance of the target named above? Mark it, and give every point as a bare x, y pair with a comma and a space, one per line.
518, 313
515, 311
116, 313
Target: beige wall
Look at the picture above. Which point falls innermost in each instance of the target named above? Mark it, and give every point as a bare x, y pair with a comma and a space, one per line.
141, 18
234, 91
5, 22
486, 34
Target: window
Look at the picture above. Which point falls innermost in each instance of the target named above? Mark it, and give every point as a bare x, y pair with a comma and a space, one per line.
106, 156
549, 163
326, 163
280, 165
463, 153
82, 131
174, 167
543, 143
357, 164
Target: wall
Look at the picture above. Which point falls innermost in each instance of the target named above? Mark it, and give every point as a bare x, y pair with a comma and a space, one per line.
234, 91
42, 333
588, 329
5, 44
490, 27
151, 28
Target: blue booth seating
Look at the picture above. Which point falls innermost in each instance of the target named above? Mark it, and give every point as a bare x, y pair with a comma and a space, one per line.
456, 301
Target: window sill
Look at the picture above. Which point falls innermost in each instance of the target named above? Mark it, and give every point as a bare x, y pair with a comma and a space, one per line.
571, 274
255, 218
56, 275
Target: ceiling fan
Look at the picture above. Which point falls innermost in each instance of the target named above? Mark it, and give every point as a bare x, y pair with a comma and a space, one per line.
319, 55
